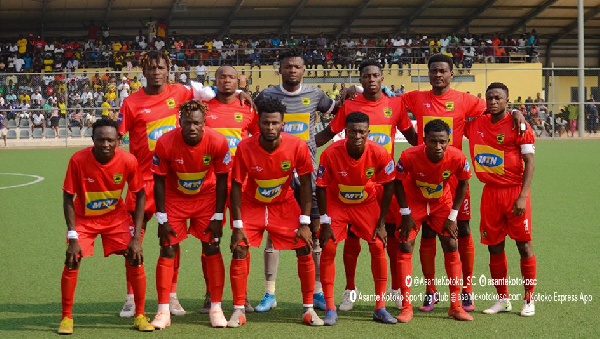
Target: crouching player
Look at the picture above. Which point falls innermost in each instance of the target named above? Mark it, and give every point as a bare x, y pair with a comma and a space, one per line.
185, 164
423, 193
96, 177
266, 163
498, 153
348, 174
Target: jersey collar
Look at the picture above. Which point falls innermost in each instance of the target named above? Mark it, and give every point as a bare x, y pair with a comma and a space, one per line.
296, 92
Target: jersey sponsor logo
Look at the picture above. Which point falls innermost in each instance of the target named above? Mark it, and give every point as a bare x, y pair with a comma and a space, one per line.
297, 124
369, 172
171, 102
156, 129
190, 183
381, 134
233, 136
446, 174
389, 168
430, 191
488, 160
155, 160
352, 194
238, 117
118, 178
320, 171
387, 112
98, 203
399, 167
206, 159
450, 106
286, 165
306, 101
268, 190
500, 138
447, 120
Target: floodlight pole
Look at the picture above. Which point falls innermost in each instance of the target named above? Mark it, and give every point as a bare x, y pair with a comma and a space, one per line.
580, 40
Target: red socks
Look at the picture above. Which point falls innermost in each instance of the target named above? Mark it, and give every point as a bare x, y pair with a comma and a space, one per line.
328, 273
68, 282
306, 273
205, 271
392, 251
379, 270
453, 268
216, 268
528, 270
499, 271
427, 256
164, 277
137, 276
238, 275
176, 270
351, 252
404, 269
466, 248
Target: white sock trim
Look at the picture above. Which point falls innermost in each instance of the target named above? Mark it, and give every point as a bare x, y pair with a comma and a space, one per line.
238, 307
163, 307
307, 305
173, 295
215, 305
129, 296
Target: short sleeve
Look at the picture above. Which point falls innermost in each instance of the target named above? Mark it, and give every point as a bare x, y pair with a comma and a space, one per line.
71, 178
135, 183
403, 167
222, 156
303, 160
464, 170
253, 125
527, 138
326, 104
385, 171
160, 159
475, 107
323, 173
338, 123
125, 120
404, 122
239, 170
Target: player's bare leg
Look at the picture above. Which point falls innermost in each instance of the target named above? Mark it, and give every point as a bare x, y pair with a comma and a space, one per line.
427, 252
453, 272
271, 256
466, 249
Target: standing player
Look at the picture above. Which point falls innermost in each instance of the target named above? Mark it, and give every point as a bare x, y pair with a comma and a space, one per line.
498, 154
425, 195
266, 162
302, 102
227, 117
453, 107
386, 115
347, 179
96, 177
185, 164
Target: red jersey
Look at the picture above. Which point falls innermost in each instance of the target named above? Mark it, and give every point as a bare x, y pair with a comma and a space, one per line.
497, 148
231, 120
190, 170
453, 107
385, 116
97, 187
426, 181
147, 118
269, 174
353, 181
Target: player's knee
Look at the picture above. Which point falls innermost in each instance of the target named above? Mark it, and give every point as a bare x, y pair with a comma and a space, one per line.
407, 247
210, 248
169, 251
496, 249
304, 250
390, 229
525, 249
464, 230
240, 252
449, 244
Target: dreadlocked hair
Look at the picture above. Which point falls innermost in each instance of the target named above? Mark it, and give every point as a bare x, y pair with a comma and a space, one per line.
186, 108
147, 57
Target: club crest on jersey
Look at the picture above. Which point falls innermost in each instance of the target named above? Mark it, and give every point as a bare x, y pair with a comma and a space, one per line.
500, 138
238, 117
446, 174
387, 112
118, 178
206, 159
306, 101
171, 102
450, 106
369, 172
286, 165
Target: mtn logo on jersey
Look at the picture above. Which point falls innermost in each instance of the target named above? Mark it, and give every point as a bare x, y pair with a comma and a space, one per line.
171, 102
268, 190
233, 136
381, 135
297, 124
488, 159
387, 112
447, 120
159, 127
430, 191
98, 203
238, 117
450, 106
352, 194
190, 183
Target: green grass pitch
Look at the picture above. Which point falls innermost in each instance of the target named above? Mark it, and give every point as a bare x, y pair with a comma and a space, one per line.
565, 222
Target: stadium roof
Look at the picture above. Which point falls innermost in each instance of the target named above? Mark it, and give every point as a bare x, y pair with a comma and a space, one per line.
554, 20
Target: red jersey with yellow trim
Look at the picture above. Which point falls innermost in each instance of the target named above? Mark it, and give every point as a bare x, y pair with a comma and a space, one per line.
353, 181
190, 170
148, 117
97, 187
385, 116
453, 107
231, 120
496, 150
426, 181
269, 174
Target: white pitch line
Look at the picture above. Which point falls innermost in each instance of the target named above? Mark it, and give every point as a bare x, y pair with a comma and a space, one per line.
37, 179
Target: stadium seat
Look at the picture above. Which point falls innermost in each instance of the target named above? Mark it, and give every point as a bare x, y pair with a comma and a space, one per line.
11, 123
49, 133
24, 123
62, 133
88, 132
37, 133
62, 122
12, 134
76, 132
24, 134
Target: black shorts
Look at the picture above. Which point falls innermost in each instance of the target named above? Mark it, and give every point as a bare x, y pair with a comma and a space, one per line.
54, 121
